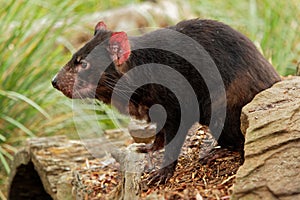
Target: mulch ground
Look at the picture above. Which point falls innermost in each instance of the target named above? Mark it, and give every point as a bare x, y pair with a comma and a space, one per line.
197, 176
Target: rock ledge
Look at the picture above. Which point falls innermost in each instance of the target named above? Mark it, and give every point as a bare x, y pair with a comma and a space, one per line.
271, 123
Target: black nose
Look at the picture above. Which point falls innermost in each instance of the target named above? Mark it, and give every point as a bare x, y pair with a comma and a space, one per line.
54, 82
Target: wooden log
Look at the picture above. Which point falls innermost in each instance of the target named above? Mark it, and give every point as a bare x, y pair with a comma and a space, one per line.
132, 166
38, 167
60, 169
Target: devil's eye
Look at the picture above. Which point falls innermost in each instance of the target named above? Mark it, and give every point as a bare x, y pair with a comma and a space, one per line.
84, 64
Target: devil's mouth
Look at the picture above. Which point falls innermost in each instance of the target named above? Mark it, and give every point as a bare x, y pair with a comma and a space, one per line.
84, 92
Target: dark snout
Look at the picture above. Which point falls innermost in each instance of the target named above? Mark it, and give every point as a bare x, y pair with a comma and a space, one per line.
54, 82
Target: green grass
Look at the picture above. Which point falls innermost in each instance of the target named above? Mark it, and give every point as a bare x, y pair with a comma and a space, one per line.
27, 59
272, 24
34, 46
31, 54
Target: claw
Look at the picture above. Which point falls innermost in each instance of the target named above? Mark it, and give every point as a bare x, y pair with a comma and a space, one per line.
161, 176
153, 180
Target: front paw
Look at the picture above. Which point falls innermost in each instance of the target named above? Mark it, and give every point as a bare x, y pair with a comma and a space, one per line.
160, 176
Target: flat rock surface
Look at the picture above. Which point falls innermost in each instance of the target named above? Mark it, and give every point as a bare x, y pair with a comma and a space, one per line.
271, 123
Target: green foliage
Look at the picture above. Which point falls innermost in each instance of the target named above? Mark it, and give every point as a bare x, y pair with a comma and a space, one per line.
25, 66
272, 24
31, 52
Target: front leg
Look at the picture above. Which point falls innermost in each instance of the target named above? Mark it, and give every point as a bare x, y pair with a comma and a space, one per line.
174, 140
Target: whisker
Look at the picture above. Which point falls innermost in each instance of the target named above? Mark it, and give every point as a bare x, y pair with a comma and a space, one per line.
124, 87
120, 93
124, 91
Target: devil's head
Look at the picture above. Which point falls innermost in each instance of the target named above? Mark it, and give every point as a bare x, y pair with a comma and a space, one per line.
95, 68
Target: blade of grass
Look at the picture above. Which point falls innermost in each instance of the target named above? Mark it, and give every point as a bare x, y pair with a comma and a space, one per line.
17, 124
5, 153
2, 138
16, 95
4, 162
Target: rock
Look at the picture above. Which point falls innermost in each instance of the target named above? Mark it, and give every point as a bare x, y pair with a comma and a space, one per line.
137, 131
271, 124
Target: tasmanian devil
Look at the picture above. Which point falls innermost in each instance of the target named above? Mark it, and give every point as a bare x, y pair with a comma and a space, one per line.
198, 70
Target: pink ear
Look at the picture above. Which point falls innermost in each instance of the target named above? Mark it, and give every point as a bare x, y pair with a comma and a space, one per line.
100, 26
119, 47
